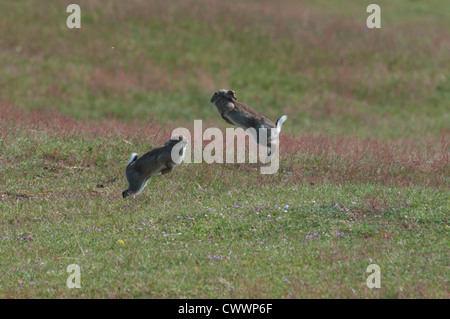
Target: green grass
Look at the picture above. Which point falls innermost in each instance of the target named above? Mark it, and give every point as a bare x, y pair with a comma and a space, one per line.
260, 244
164, 60
66, 208
364, 154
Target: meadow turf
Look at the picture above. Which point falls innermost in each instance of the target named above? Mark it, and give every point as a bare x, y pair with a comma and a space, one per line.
364, 172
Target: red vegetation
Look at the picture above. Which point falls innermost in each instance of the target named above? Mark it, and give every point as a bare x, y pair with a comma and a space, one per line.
57, 124
309, 158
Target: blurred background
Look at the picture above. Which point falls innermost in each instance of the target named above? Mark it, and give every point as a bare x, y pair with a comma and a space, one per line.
161, 61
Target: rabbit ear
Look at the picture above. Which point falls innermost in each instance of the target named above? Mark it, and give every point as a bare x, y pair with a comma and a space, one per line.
232, 93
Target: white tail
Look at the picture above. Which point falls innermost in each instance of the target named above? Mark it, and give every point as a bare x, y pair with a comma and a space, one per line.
134, 157
279, 124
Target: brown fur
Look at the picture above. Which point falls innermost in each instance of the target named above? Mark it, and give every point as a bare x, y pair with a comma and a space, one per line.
157, 161
239, 114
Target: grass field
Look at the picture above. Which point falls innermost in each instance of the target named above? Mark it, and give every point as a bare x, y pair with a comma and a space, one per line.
364, 172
